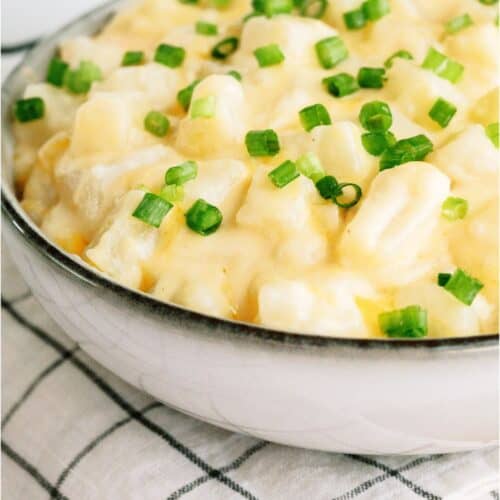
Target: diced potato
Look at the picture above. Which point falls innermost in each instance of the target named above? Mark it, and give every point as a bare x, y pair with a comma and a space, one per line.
52, 151
485, 110
395, 222
223, 134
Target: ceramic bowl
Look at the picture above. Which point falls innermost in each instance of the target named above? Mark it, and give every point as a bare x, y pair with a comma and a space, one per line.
335, 394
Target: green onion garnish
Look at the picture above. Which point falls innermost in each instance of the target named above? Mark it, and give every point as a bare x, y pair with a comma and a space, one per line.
313, 116
411, 149
340, 192
458, 23
400, 54
341, 84
327, 186
203, 218
225, 48
376, 143
409, 322
309, 165
262, 143
375, 116
235, 74
28, 110
156, 123
463, 286
354, 19
443, 66
79, 81
180, 174
203, 107
492, 133
152, 209
375, 9
270, 55
488, 2
442, 112
207, 29
184, 95
371, 78
313, 8
443, 278
284, 174
170, 55
331, 51
133, 58
172, 193
56, 71
272, 7
454, 208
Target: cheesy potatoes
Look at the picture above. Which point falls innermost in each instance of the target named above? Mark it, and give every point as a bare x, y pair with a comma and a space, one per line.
323, 168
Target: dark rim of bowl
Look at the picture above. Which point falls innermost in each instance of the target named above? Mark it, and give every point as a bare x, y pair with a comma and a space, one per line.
76, 270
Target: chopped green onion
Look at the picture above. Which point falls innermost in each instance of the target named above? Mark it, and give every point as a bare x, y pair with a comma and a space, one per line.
376, 143
375, 116
189, 2
225, 48
204, 28
156, 123
284, 174
133, 58
463, 286
203, 107
409, 322
400, 54
492, 133
488, 2
172, 193
28, 110
313, 116
273, 7
354, 19
458, 23
313, 8
270, 55
371, 78
331, 51
341, 84
180, 174
170, 55
375, 9
411, 149
443, 66
339, 192
235, 74
309, 165
262, 143
203, 218
184, 95
56, 71
443, 278
454, 208
327, 186
152, 209
79, 81
442, 112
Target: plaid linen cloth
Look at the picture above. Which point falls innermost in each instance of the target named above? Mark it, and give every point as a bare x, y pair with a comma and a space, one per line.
72, 430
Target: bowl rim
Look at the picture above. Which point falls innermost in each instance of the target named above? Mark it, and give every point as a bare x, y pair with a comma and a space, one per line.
12, 210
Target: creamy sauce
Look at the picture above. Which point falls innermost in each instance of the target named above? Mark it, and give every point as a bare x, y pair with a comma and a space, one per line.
285, 258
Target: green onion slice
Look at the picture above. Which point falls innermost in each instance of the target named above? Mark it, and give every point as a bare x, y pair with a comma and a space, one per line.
463, 286
340, 192
375, 9
272, 7
492, 133
354, 19
327, 186
204, 107
172, 193
262, 143
310, 166
133, 58
458, 24
170, 55
443, 278
331, 51
371, 78
375, 116
56, 71
409, 322
442, 112
28, 110
180, 174
225, 48
80, 80
313, 8
283, 174
454, 208
207, 29
152, 209
156, 123
376, 143
314, 116
270, 55
341, 84
443, 66
235, 74
203, 218
184, 95
405, 150
400, 54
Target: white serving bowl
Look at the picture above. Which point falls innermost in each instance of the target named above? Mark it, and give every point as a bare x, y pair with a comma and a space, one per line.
335, 394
